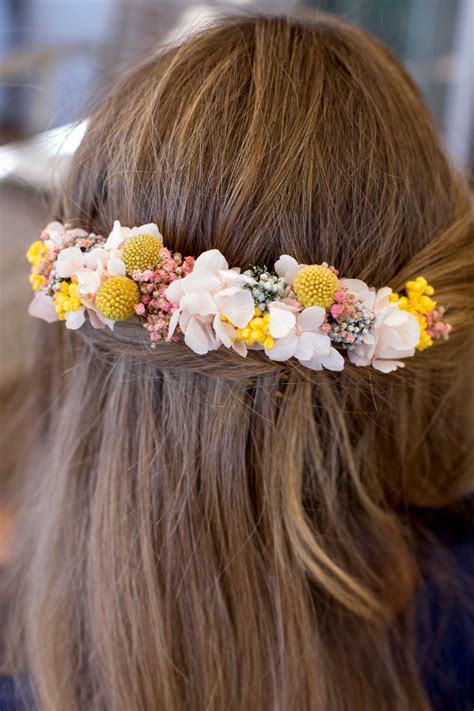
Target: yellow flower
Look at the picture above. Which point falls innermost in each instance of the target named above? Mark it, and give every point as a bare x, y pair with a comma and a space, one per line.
36, 252
117, 297
256, 331
36, 281
316, 285
418, 302
141, 252
66, 299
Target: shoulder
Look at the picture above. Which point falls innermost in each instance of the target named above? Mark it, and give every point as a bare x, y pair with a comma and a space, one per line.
9, 695
445, 610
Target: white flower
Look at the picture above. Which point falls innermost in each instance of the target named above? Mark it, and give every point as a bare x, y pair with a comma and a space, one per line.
287, 267
120, 234
210, 291
89, 269
42, 306
297, 335
394, 334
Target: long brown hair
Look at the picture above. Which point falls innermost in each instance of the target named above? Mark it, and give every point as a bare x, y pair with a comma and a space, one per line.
211, 533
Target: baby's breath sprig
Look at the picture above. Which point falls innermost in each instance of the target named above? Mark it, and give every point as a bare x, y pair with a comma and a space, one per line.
267, 286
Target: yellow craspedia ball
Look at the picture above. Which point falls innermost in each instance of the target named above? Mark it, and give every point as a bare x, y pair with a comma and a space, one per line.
316, 285
141, 252
117, 297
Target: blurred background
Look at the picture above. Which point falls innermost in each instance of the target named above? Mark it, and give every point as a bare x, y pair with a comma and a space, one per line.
57, 57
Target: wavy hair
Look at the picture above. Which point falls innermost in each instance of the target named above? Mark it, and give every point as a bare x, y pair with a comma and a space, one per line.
209, 533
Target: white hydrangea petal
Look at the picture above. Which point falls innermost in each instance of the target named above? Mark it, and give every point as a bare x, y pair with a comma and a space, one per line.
88, 281
387, 366
117, 237
42, 306
292, 273
240, 347
55, 232
304, 348
210, 261
284, 348
96, 255
319, 343
196, 337
382, 298
68, 261
283, 264
224, 331
361, 354
239, 307
198, 303
173, 323
281, 322
149, 229
75, 319
201, 280
311, 318
116, 267
333, 361
174, 292
99, 321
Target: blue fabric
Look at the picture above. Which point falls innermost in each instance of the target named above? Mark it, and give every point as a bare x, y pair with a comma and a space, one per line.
445, 619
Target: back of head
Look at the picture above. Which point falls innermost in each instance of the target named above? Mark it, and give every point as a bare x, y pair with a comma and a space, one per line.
220, 533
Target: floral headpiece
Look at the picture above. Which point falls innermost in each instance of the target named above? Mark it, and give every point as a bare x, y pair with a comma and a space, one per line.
302, 311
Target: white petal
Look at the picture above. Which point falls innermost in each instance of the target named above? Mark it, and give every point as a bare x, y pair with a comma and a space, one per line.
174, 292
333, 361
310, 319
173, 323
117, 237
55, 232
99, 321
196, 337
201, 280
199, 303
387, 366
282, 321
361, 355
88, 281
98, 254
312, 344
382, 298
116, 267
233, 276
283, 264
224, 331
284, 348
240, 348
68, 261
43, 307
75, 319
211, 261
239, 308
150, 229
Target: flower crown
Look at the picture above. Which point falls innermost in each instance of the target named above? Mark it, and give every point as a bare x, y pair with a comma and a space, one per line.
302, 311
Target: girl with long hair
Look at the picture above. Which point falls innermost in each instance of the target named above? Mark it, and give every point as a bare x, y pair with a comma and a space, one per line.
214, 532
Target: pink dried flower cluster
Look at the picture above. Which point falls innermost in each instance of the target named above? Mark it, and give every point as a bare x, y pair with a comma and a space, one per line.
154, 307
437, 328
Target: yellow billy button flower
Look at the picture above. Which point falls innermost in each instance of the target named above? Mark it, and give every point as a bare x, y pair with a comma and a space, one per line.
141, 252
256, 331
66, 299
316, 285
36, 252
117, 297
